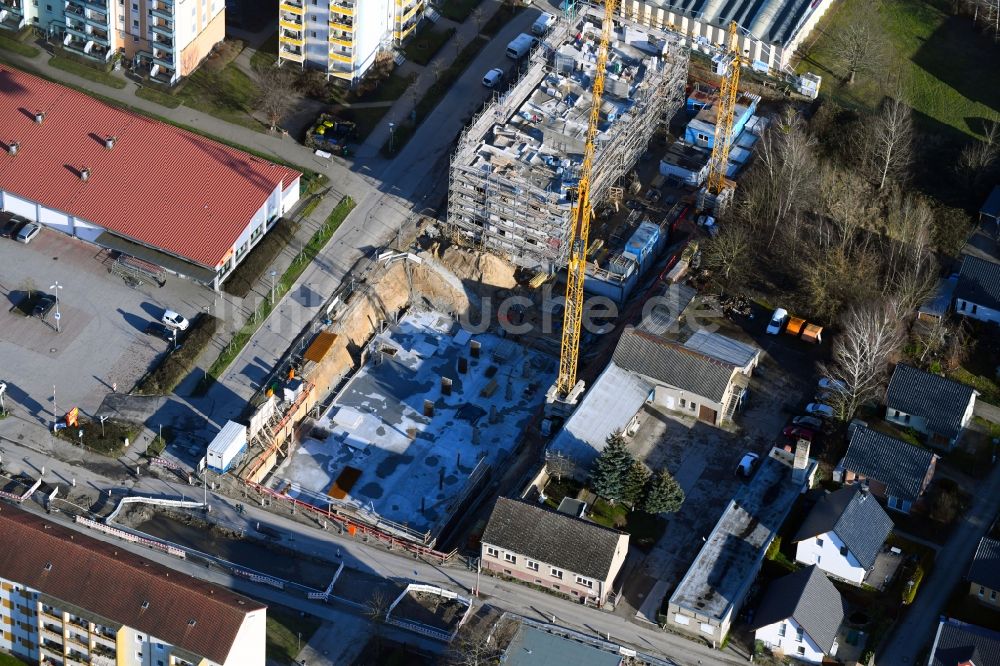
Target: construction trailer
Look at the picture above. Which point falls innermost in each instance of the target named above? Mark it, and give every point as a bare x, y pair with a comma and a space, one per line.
513, 175
227, 447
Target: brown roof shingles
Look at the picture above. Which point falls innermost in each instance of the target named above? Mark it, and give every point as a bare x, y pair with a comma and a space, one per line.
114, 584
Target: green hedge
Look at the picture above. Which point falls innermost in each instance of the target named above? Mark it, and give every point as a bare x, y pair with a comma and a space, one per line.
175, 365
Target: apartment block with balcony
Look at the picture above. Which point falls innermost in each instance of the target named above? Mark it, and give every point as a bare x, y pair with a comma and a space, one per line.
13, 14
343, 37
66, 598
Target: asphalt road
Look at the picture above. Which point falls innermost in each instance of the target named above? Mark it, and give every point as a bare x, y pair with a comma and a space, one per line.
916, 631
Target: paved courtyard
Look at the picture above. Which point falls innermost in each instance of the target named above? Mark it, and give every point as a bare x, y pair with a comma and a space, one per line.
101, 342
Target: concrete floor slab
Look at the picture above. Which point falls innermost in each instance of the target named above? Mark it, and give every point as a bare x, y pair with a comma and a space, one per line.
416, 445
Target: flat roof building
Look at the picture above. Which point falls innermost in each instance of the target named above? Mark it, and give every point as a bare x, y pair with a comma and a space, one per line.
68, 598
133, 184
715, 586
771, 30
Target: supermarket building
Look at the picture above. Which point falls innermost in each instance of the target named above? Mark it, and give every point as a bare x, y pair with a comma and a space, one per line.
189, 205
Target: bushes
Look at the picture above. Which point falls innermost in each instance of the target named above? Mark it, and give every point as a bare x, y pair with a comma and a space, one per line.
177, 364
260, 258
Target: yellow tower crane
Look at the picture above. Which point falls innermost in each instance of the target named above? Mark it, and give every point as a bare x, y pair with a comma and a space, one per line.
580, 224
729, 67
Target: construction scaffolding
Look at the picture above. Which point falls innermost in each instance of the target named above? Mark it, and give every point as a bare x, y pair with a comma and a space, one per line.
513, 175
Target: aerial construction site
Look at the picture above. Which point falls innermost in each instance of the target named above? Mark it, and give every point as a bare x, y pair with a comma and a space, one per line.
514, 174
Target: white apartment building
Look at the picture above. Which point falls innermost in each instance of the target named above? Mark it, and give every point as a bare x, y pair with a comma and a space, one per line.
343, 37
166, 39
67, 598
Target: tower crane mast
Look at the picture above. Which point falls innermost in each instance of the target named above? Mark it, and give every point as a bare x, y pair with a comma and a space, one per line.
580, 223
730, 66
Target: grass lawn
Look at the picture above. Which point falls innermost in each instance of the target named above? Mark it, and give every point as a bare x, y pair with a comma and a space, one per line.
260, 257
389, 90
157, 96
458, 10
86, 72
267, 54
10, 660
426, 44
286, 631
109, 441
645, 529
20, 48
367, 118
947, 68
227, 95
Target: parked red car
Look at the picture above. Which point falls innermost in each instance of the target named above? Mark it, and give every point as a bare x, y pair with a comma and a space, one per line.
798, 432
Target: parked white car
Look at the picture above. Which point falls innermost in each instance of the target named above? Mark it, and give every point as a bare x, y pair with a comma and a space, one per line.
493, 77
27, 232
821, 410
778, 321
833, 385
747, 462
174, 320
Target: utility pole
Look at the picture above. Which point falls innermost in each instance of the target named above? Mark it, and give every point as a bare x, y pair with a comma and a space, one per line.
55, 409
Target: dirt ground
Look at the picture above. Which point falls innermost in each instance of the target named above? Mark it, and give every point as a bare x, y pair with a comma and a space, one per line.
431, 610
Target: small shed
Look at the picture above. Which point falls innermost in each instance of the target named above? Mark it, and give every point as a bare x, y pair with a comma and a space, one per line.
990, 212
937, 306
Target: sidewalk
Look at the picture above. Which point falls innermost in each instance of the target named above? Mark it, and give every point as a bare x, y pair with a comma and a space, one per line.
401, 109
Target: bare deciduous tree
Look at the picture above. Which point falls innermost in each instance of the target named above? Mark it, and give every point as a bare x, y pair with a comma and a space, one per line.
275, 89
890, 141
729, 253
977, 158
783, 177
857, 49
375, 610
871, 333
480, 643
846, 199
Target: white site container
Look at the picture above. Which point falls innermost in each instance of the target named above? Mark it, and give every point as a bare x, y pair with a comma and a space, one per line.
226, 447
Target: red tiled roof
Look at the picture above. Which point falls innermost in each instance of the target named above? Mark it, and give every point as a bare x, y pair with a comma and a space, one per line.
114, 584
160, 185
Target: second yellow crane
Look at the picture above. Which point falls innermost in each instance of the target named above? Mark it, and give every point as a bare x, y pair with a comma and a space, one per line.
730, 70
580, 222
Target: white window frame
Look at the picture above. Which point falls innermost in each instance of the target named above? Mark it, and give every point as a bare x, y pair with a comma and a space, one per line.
492, 552
510, 557
532, 565
556, 573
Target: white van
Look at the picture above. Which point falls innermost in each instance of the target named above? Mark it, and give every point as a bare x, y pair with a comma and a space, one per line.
543, 24
520, 46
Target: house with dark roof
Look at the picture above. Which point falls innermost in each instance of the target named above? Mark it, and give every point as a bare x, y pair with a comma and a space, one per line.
66, 598
690, 380
564, 553
984, 572
800, 616
978, 292
930, 404
843, 534
961, 644
990, 212
894, 470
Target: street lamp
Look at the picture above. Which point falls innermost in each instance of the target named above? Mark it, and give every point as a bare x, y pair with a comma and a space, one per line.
273, 275
55, 409
57, 287
392, 135
3, 389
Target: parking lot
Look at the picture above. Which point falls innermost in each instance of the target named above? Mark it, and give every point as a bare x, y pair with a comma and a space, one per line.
100, 343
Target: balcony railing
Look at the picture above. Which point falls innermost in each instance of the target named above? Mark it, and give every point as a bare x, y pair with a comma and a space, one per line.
162, 28
342, 8
166, 13
292, 7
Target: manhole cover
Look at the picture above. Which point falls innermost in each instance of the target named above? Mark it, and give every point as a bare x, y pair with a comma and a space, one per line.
55, 258
52, 350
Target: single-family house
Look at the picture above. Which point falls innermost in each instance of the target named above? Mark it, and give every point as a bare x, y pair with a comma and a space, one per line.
844, 533
984, 572
707, 380
930, 404
565, 553
978, 292
894, 470
937, 306
800, 616
961, 644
